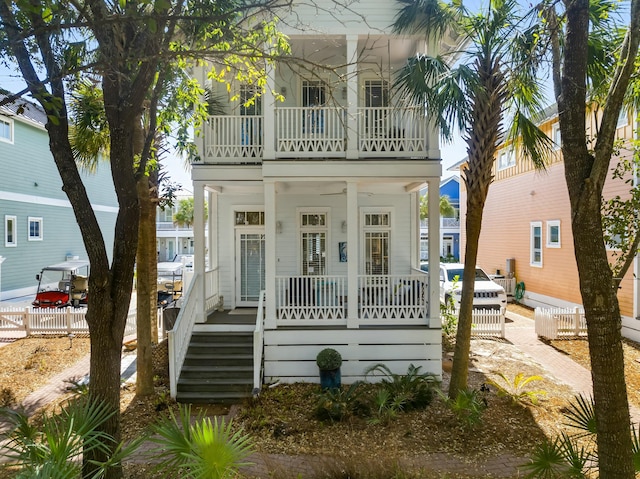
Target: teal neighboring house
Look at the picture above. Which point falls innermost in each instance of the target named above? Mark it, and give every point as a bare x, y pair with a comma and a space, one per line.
37, 224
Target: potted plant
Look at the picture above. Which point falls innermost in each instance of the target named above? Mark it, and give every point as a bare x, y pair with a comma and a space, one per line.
329, 361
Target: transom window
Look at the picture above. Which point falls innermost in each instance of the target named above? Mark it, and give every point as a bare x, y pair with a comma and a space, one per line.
35, 229
249, 218
377, 236
6, 130
313, 242
10, 236
536, 244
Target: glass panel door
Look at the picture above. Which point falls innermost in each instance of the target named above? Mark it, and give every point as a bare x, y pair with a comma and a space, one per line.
249, 267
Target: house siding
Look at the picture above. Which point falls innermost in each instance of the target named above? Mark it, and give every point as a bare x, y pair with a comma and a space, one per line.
32, 187
519, 196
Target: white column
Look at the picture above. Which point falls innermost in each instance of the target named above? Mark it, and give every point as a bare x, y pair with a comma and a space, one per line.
415, 229
352, 97
199, 253
269, 116
353, 254
270, 261
212, 238
433, 190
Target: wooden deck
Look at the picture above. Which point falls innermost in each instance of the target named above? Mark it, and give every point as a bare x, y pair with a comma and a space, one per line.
233, 316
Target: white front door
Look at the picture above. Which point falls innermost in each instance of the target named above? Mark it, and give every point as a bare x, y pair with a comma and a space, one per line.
249, 266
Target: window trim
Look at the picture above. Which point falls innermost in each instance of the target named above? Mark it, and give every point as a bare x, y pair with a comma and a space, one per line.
623, 118
555, 130
10, 123
35, 219
14, 220
532, 226
364, 211
326, 211
508, 152
549, 243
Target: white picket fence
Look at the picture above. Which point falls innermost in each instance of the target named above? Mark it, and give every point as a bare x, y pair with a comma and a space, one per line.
54, 321
560, 323
486, 323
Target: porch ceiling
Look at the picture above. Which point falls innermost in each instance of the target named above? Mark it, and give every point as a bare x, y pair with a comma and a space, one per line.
322, 188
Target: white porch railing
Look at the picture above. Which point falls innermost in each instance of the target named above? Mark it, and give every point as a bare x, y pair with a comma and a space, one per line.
54, 321
233, 137
401, 131
258, 346
314, 300
308, 298
560, 323
212, 289
393, 297
317, 131
180, 335
450, 223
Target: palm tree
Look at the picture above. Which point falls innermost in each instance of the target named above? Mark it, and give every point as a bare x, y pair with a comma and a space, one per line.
446, 208
495, 76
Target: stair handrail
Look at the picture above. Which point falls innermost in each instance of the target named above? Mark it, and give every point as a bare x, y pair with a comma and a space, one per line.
258, 346
180, 335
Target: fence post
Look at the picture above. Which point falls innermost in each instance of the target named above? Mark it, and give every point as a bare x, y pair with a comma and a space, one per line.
26, 321
502, 325
68, 316
576, 316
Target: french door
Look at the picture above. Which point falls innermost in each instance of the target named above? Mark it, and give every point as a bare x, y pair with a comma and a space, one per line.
249, 266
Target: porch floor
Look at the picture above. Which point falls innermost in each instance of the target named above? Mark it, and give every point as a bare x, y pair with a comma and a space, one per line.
233, 316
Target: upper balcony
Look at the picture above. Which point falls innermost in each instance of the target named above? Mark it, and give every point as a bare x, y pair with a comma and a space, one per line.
318, 132
335, 101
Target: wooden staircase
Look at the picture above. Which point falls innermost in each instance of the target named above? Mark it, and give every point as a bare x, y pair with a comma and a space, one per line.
218, 368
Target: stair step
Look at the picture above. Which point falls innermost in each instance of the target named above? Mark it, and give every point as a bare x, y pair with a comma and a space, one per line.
219, 364
214, 389
209, 398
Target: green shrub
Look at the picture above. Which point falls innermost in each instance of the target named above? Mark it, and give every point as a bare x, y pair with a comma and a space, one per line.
329, 359
337, 404
199, 450
413, 390
55, 448
515, 389
468, 406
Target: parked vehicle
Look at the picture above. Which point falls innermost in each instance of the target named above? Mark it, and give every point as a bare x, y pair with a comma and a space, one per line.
487, 293
63, 284
169, 283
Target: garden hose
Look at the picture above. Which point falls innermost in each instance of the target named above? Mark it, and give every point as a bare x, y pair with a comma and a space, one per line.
518, 293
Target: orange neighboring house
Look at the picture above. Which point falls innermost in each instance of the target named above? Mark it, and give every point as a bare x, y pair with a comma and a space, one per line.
526, 227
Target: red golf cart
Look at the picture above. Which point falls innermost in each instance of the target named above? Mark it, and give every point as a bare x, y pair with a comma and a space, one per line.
63, 284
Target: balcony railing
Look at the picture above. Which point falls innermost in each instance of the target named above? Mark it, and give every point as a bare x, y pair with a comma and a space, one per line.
319, 132
233, 137
390, 130
382, 299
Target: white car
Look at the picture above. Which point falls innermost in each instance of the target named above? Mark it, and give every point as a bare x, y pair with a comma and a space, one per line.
487, 293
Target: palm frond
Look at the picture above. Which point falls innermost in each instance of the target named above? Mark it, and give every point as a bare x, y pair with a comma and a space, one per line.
427, 16
532, 143
581, 414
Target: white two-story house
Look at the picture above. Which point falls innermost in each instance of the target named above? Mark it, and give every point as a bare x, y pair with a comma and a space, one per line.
313, 214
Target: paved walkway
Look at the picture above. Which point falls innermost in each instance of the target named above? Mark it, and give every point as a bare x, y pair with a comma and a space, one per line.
520, 332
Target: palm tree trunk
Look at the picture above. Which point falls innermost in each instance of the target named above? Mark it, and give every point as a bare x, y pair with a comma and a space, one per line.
146, 291
482, 141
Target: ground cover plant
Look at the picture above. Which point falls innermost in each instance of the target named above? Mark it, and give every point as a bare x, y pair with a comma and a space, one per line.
423, 443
